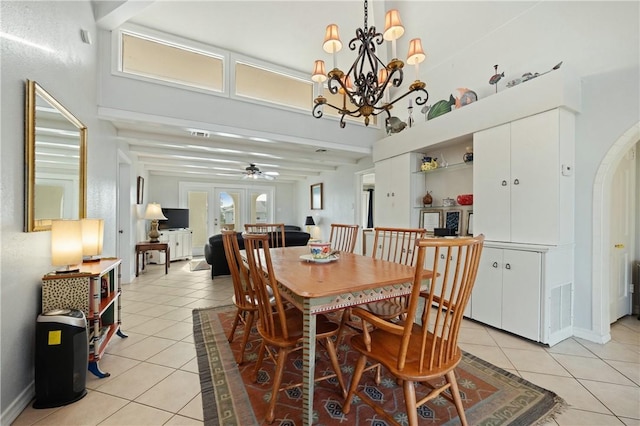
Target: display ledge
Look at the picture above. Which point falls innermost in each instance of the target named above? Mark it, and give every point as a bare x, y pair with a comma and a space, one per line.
557, 89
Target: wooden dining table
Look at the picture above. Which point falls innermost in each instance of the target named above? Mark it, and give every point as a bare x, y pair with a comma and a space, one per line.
315, 288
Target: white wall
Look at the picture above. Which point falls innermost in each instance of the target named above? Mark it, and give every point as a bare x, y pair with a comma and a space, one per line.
165, 190
340, 195
69, 73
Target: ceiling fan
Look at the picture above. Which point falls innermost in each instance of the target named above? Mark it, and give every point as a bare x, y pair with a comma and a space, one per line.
253, 172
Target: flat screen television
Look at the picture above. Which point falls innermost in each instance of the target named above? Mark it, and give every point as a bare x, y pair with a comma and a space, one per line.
176, 218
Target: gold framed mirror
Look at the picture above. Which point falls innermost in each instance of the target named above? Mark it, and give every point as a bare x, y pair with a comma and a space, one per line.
55, 161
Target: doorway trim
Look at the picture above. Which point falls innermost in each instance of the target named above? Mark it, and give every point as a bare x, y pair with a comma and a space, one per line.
600, 269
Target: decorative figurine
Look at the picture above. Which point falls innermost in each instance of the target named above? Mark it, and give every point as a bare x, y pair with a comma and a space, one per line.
529, 76
394, 125
441, 107
428, 163
466, 97
496, 77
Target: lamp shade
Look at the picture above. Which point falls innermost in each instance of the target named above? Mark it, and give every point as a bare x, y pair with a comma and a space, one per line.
309, 221
393, 28
319, 75
332, 43
416, 53
92, 236
154, 212
66, 242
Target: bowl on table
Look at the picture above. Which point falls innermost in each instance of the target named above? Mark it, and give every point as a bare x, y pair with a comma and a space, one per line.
320, 250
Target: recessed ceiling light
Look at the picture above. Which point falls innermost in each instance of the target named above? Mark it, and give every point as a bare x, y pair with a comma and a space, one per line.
261, 140
228, 135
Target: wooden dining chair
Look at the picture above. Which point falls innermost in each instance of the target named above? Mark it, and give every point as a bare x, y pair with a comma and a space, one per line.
425, 345
281, 327
243, 294
343, 237
396, 245
274, 230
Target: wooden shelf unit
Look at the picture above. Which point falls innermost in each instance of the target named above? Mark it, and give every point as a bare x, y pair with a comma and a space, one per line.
96, 291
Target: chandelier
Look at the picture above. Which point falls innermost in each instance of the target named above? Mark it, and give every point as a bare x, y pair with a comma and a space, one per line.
368, 81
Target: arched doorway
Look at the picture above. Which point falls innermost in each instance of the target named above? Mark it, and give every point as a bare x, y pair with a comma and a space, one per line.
600, 271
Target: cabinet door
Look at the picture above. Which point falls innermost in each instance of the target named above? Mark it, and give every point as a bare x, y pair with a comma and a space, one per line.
521, 277
491, 183
393, 192
486, 298
535, 174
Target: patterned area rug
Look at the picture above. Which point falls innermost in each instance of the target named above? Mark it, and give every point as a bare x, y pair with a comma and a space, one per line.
491, 396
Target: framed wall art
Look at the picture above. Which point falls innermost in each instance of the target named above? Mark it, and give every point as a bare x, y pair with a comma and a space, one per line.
316, 196
140, 191
470, 222
430, 219
453, 220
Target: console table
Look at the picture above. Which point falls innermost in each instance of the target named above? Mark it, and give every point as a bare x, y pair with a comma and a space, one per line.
144, 246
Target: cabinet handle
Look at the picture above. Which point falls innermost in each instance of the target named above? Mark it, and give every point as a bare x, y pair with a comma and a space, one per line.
388, 195
504, 183
516, 182
393, 194
507, 266
494, 264
441, 256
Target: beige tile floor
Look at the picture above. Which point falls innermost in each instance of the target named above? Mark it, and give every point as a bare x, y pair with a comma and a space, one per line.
154, 373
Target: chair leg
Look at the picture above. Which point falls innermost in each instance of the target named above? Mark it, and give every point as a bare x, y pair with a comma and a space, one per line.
254, 376
357, 375
410, 402
247, 331
236, 320
455, 393
346, 315
277, 380
331, 349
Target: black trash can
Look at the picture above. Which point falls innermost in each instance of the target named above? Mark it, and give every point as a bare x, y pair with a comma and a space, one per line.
62, 353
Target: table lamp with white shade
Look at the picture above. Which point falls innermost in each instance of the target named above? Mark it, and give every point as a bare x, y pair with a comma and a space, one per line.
66, 245
154, 214
92, 239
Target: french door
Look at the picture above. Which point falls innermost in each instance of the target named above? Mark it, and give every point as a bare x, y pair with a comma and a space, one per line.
214, 208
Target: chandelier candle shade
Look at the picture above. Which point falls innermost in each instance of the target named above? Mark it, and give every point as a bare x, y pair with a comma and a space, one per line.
367, 83
154, 214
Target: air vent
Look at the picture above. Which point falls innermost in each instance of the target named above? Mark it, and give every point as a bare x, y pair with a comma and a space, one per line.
200, 133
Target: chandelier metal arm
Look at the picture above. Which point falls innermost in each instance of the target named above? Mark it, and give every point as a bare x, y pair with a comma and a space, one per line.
369, 87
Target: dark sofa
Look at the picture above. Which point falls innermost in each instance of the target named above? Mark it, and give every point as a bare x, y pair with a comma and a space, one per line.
214, 250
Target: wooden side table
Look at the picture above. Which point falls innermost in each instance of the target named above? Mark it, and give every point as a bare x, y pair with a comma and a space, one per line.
144, 246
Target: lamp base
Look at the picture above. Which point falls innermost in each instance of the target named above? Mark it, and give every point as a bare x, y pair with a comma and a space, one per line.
67, 271
154, 234
90, 259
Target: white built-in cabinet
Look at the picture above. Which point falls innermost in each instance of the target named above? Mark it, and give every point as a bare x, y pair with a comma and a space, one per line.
507, 291
523, 180
394, 191
523, 202
180, 245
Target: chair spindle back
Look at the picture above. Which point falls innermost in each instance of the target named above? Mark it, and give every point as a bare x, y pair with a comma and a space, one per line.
343, 237
275, 231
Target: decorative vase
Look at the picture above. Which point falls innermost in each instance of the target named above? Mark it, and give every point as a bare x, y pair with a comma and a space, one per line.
427, 199
468, 156
465, 199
